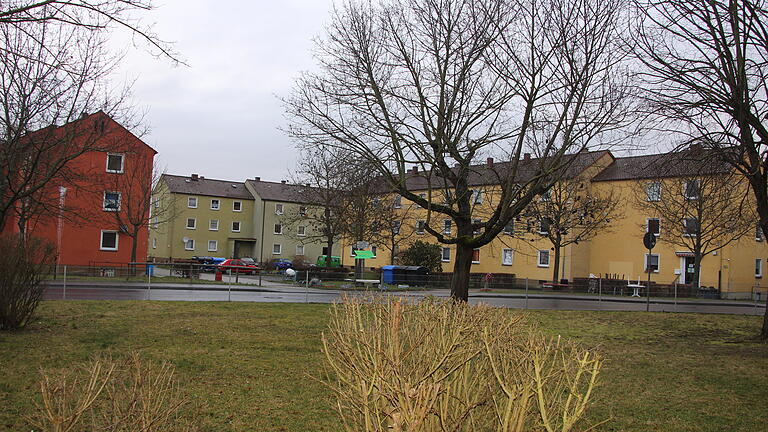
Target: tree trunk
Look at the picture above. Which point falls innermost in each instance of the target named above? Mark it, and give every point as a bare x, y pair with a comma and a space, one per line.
556, 271
461, 269
329, 245
764, 226
697, 270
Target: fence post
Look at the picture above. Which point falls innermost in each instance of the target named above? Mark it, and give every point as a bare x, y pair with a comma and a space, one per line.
306, 288
65, 282
229, 290
675, 296
526, 293
600, 289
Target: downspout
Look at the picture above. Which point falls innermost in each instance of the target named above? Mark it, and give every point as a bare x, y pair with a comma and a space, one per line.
263, 213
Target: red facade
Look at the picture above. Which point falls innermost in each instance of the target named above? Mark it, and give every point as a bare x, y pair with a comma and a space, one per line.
97, 197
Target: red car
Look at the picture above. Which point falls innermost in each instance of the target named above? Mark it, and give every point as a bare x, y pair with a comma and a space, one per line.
238, 266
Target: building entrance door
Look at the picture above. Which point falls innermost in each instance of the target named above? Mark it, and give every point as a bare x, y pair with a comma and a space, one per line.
690, 271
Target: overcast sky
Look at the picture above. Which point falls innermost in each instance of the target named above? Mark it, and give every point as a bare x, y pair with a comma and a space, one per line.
220, 116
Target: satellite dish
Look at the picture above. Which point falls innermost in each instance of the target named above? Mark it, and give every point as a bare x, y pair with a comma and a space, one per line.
185, 239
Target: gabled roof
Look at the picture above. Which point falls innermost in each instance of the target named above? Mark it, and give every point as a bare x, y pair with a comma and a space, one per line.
195, 185
686, 163
286, 192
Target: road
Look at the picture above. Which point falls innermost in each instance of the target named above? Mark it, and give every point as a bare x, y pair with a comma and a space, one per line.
277, 292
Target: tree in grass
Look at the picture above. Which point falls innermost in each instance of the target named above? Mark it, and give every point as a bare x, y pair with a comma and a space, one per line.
423, 254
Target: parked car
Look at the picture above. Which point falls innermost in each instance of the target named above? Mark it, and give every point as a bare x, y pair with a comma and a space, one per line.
235, 265
335, 261
282, 263
209, 263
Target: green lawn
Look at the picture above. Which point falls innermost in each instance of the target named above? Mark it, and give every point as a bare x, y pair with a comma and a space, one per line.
246, 365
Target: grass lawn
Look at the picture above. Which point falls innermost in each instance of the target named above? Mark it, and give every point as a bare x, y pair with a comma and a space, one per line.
246, 365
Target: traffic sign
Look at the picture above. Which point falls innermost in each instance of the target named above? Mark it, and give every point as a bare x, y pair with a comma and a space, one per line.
649, 240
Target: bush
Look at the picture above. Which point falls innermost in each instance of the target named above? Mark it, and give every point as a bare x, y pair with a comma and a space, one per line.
423, 254
439, 365
22, 265
129, 395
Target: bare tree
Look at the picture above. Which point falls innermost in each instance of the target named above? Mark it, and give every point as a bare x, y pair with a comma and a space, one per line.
702, 213
440, 84
706, 67
396, 225
49, 74
569, 213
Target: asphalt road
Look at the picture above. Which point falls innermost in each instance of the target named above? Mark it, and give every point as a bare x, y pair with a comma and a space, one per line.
275, 292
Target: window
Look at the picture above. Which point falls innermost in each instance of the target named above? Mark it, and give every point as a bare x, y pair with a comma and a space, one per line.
509, 229
277, 249
544, 225
374, 249
398, 202
506, 257
691, 190
192, 202
420, 226
115, 163
302, 210
301, 230
191, 223
215, 204
213, 245
653, 191
235, 226
653, 225
278, 228
446, 226
352, 251
475, 256
476, 229
108, 240
543, 258
396, 227
278, 208
376, 202
213, 225
652, 262
477, 197
154, 242
325, 251
423, 195
546, 196
690, 226
189, 245
111, 201
237, 206
758, 233
299, 249
446, 254
758, 267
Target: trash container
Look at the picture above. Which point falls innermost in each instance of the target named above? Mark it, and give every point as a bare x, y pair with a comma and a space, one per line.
388, 274
409, 275
150, 271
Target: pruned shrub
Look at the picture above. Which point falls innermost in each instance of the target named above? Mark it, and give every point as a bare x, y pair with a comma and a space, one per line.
127, 395
23, 263
444, 366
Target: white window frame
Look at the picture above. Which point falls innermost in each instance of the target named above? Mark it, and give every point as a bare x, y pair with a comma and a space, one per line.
396, 227
215, 247
302, 210
117, 240
210, 225
758, 268
194, 223
685, 190
477, 196
646, 261
278, 231
300, 251
443, 253
423, 195
234, 206
189, 245
478, 256
685, 227
758, 233
119, 201
511, 256
657, 192
154, 242
546, 196
541, 227
122, 163
189, 202
279, 208
422, 224
278, 250
218, 204
539, 254
397, 202
374, 250
447, 226
301, 230
648, 225
239, 226
476, 231
510, 224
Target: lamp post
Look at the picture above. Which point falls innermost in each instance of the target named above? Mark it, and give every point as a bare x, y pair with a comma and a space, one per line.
60, 223
649, 241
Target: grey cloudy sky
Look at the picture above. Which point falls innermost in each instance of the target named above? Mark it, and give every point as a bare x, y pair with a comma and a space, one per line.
220, 116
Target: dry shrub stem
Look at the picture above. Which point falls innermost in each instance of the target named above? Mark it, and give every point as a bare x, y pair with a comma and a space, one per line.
22, 264
442, 366
127, 395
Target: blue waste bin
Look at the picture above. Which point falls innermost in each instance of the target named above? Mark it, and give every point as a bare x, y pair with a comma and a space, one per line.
388, 274
150, 270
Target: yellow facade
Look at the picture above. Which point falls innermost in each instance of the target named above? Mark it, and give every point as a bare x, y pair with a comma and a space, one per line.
617, 252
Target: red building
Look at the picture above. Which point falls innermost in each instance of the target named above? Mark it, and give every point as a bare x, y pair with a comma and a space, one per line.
95, 209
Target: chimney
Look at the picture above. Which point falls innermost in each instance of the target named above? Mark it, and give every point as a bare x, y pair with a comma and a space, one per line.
283, 181
527, 157
415, 169
696, 148
194, 177
84, 114
489, 162
257, 179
